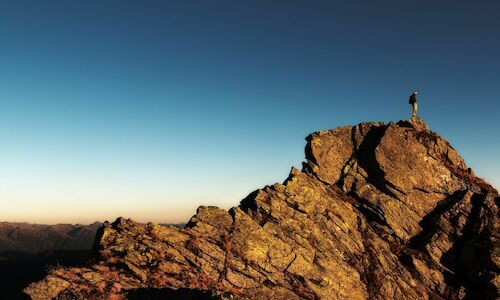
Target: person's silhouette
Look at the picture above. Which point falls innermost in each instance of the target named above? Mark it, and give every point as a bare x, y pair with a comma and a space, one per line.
413, 102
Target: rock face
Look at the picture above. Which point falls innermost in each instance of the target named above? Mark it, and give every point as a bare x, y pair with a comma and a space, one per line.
378, 211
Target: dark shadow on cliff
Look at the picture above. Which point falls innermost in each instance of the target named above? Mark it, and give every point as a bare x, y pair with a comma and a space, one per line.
467, 261
366, 157
18, 269
429, 222
469, 258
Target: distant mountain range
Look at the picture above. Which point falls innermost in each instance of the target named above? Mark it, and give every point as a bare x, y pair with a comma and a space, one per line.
36, 238
27, 251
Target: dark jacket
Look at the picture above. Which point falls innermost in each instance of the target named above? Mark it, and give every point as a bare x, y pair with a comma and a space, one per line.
413, 99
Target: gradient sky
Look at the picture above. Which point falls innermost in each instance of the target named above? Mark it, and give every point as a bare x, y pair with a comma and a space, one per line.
148, 109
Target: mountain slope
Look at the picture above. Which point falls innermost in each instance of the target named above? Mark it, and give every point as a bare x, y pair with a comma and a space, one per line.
379, 211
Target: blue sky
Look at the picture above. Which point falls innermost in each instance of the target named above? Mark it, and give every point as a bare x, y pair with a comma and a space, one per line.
148, 109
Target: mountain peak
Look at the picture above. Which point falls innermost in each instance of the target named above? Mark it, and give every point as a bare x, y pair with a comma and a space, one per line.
378, 211
416, 123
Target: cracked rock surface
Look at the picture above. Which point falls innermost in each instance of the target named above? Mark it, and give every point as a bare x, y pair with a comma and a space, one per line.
378, 211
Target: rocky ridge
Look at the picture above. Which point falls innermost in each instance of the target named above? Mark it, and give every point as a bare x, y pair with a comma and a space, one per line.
378, 211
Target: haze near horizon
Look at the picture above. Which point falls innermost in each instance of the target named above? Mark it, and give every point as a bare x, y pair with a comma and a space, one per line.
148, 110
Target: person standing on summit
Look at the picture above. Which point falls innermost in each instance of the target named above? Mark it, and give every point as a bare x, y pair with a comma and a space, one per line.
413, 102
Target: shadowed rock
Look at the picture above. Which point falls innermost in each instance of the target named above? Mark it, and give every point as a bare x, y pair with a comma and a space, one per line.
379, 211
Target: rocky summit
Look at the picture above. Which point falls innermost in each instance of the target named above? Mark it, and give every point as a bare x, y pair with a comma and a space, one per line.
378, 211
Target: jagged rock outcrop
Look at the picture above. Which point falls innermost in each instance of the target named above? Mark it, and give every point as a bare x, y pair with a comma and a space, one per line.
378, 211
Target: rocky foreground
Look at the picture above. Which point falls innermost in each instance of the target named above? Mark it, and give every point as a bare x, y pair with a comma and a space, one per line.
378, 211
